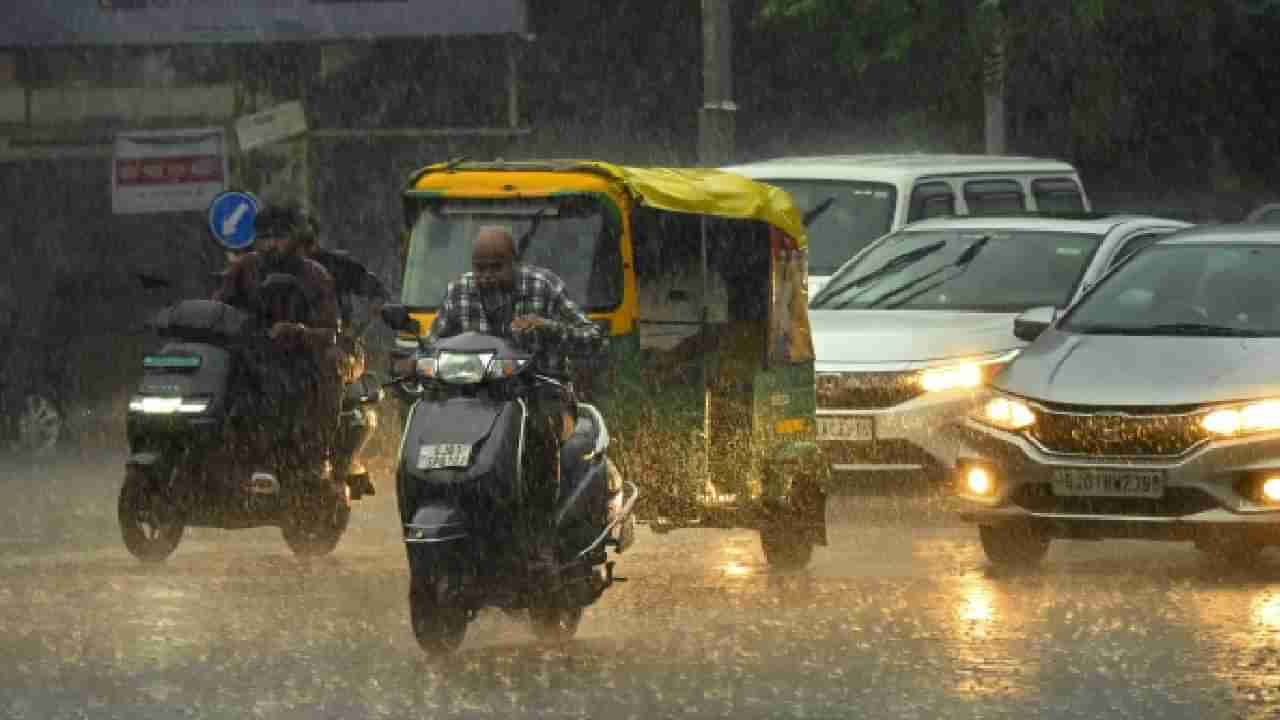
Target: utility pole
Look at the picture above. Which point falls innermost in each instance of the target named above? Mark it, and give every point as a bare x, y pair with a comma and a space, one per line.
716, 126
994, 80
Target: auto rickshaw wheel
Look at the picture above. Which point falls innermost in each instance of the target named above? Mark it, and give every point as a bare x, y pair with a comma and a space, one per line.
786, 547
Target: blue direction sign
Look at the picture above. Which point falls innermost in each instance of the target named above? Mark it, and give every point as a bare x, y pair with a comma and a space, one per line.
231, 216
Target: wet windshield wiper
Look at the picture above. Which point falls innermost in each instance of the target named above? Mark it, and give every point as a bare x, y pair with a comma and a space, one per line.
962, 263
816, 211
892, 265
522, 244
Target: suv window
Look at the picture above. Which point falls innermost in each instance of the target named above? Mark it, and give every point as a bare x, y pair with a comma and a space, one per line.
931, 199
1057, 195
994, 196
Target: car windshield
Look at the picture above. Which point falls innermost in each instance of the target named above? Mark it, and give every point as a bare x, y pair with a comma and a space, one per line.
1204, 290
973, 270
570, 237
855, 214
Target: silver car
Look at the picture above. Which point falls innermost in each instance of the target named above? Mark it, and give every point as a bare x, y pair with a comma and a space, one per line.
1150, 409
909, 330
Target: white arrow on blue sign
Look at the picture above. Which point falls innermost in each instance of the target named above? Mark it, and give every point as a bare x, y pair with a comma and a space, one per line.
231, 216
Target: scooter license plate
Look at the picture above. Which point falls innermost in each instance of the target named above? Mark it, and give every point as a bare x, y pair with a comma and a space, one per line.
434, 457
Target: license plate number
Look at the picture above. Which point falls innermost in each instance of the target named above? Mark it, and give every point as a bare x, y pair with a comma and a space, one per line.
846, 428
434, 457
1075, 482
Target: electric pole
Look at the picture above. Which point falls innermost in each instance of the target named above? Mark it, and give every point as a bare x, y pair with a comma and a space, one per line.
716, 127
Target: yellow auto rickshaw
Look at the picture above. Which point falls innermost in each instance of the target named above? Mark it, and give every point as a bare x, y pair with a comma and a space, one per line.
697, 277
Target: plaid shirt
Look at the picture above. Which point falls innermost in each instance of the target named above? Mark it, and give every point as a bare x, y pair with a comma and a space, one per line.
535, 291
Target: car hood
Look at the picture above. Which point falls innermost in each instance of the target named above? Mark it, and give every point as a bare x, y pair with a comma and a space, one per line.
859, 337
1118, 370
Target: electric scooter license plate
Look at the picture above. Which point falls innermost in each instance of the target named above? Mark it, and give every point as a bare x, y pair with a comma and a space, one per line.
434, 457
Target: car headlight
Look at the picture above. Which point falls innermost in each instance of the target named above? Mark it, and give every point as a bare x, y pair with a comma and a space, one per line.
162, 405
1243, 420
964, 375
461, 368
1007, 414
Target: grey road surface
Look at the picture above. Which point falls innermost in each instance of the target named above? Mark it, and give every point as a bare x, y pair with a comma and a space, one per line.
901, 617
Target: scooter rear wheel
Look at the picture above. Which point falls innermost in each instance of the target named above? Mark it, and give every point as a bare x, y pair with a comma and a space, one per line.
150, 524
439, 627
315, 534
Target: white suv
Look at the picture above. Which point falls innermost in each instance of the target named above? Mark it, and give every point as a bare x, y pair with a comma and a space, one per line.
854, 199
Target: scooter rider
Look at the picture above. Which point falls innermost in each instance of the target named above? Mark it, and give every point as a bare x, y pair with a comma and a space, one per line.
529, 305
351, 280
305, 338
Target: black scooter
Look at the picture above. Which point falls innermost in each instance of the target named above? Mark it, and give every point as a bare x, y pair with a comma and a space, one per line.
474, 498
192, 460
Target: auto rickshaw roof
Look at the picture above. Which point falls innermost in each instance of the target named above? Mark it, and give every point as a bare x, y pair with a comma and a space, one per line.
700, 191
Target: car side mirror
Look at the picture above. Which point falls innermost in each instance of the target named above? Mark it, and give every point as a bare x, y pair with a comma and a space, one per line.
1029, 325
397, 317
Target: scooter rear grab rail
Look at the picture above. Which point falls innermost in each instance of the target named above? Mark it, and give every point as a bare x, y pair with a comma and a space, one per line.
623, 514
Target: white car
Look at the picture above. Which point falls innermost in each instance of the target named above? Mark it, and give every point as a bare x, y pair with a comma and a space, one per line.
908, 332
851, 200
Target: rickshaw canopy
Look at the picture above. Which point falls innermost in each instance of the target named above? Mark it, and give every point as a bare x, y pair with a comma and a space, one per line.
684, 190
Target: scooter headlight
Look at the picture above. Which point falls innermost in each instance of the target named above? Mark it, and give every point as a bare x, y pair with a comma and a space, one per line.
163, 405
462, 368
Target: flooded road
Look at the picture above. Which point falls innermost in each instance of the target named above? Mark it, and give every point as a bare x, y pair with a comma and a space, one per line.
901, 617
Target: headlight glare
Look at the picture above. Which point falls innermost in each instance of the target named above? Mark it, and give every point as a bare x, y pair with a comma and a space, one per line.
1008, 414
1258, 417
462, 368
950, 378
166, 405
964, 375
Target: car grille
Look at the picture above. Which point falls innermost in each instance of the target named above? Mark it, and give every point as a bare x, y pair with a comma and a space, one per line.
1177, 501
1117, 434
866, 390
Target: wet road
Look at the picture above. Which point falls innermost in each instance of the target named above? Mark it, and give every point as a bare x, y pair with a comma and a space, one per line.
900, 618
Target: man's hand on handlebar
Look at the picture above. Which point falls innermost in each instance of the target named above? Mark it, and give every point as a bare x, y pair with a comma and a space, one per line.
529, 322
288, 332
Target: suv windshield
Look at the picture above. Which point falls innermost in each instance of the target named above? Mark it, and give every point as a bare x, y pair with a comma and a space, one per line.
570, 237
971, 270
856, 213
1203, 290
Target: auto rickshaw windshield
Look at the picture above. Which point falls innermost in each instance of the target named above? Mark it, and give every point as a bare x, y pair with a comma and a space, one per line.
572, 237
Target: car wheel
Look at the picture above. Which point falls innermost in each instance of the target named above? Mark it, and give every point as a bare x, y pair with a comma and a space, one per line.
1013, 545
40, 426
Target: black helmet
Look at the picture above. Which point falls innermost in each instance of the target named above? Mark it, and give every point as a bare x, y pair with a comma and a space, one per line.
281, 220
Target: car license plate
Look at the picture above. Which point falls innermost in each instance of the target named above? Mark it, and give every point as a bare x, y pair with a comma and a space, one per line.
434, 457
1096, 482
846, 427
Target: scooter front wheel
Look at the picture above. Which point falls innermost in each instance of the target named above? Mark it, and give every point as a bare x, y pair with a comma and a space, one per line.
438, 626
150, 523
